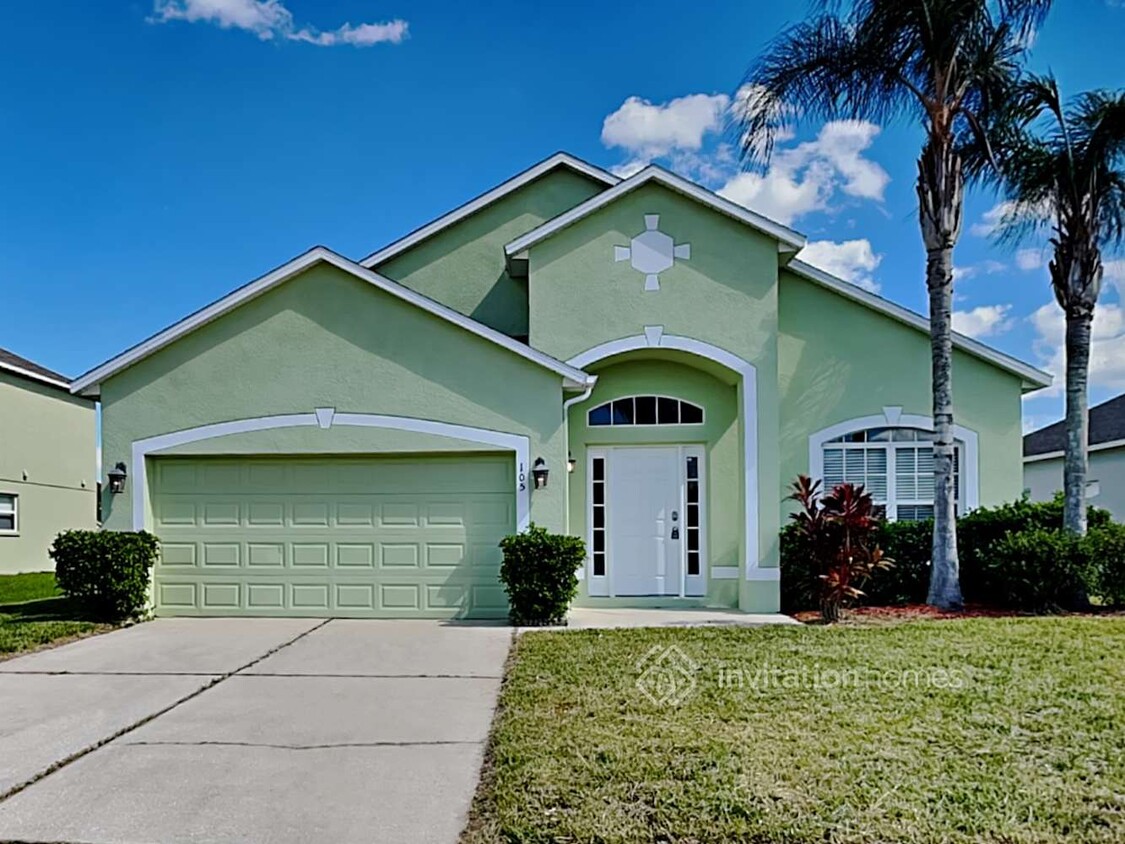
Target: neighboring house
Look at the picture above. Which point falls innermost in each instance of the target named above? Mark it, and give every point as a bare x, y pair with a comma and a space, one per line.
1105, 484
353, 439
48, 476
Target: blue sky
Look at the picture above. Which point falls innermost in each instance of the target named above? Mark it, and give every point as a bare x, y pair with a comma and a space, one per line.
156, 155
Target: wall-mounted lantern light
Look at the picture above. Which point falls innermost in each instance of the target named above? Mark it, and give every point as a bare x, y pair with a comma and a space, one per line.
570, 463
539, 473
117, 477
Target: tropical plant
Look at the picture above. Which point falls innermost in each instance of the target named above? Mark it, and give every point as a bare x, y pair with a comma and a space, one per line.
1063, 169
950, 64
838, 529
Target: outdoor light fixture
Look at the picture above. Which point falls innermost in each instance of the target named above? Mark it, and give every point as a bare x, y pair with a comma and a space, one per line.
570, 463
539, 472
117, 477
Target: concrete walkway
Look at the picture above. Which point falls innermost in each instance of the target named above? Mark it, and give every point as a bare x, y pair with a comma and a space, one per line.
262, 730
588, 618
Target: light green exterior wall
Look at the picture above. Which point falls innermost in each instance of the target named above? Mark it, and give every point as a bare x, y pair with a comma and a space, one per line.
718, 436
1043, 478
463, 266
326, 339
725, 295
840, 360
47, 458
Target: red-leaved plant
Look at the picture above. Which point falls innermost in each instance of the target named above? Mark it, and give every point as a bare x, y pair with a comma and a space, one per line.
839, 529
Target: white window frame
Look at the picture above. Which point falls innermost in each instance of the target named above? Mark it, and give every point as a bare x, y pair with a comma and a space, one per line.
893, 417
702, 412
892, 448
15, 529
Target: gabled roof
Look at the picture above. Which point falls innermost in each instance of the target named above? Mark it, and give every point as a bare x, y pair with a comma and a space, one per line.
559, 159
87, 384
11, 362
1033, 378
789, 239
1107, 430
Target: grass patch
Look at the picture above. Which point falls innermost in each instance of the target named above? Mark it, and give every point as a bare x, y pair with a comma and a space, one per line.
30, 586
32, 614
983, 730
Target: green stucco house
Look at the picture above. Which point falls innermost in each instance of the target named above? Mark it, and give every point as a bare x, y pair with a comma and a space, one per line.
48, 476
638, 362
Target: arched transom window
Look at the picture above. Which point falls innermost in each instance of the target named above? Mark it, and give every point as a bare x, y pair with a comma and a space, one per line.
645, 410
895, 464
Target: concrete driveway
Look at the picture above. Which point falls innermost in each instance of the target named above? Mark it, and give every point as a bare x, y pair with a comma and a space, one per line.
264, 730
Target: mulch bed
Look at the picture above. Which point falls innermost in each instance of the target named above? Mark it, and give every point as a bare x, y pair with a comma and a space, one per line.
924, 612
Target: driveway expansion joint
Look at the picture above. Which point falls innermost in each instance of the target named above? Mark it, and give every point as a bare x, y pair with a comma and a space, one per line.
328, 746
74, 757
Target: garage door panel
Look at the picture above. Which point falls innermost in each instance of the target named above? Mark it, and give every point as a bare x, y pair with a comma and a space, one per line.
305, 537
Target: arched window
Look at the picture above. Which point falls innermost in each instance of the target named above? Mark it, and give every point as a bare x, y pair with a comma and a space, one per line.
895, 464
645, 410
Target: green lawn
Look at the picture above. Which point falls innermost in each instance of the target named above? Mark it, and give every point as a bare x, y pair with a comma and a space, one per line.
32, 614
981, 730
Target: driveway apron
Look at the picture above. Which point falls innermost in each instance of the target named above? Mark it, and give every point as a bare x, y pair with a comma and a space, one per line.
270, 730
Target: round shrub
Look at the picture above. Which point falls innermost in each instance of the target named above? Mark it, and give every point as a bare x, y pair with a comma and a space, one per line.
1104, 547
910, 545
540, 574
1037, 569
107, 572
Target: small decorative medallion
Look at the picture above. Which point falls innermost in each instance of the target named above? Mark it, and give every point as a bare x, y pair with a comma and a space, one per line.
652, 252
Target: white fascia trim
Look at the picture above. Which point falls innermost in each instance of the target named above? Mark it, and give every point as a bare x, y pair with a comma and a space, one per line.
560, 159
1033, 378
749, 414
652, 173
573, 378
34, 376
966, 436
516, 443
1054, 455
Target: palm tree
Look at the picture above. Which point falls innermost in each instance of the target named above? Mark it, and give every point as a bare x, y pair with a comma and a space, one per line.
951, 65
1063, 169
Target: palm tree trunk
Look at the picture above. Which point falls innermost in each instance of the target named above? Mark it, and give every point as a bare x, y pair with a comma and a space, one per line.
945, 581
1079, 323
941, 197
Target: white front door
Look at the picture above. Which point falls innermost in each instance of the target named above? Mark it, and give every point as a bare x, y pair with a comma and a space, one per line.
644, 521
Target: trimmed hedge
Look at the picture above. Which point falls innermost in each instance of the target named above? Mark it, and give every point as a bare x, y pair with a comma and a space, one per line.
540, 574
990, 574
107, 572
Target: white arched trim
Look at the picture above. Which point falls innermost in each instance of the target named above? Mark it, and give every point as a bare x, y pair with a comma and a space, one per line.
893, 417
327, 417
655, 338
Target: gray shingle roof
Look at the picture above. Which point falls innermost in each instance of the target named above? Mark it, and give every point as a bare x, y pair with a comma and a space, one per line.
11, 359
1107, 424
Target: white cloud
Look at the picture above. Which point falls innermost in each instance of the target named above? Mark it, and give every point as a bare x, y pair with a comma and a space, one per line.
647, 130
1114, 275
805, 178
987, 267
1029, 259
800, 179
991, 219
984, 321
1107, 345
852, 260
270, 19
